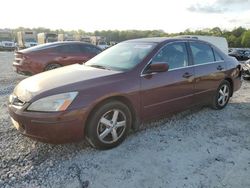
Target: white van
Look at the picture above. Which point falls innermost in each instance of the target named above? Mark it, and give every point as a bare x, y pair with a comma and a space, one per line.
219, 42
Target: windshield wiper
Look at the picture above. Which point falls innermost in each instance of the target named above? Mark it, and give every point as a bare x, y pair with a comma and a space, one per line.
100, 67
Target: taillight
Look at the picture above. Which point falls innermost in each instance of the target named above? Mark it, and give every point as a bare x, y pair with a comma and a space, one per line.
19, 58
17, 55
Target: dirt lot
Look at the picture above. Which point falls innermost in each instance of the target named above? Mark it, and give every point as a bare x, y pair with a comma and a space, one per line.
197, 148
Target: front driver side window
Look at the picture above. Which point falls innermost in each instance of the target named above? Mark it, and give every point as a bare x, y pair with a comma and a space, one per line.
175, 55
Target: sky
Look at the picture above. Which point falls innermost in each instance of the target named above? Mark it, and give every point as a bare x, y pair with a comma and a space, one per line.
89, 15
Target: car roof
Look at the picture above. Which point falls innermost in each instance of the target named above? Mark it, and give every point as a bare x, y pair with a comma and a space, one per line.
54, 44
153, 39
162, 39
67, 42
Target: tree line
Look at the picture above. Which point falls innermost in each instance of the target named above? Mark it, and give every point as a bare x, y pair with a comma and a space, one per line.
238, 37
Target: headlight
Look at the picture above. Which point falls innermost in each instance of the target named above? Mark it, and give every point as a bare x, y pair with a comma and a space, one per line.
53, 103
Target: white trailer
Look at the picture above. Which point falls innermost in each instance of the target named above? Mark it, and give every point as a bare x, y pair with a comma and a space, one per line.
47, 37
66, 37
26, 39
219, 42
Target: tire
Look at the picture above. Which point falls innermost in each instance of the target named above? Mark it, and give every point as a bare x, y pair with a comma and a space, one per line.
222, 95
108, 125
52, 66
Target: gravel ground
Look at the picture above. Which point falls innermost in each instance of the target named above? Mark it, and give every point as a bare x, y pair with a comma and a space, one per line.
197, 148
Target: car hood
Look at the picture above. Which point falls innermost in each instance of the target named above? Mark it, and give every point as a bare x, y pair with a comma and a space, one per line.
34, 85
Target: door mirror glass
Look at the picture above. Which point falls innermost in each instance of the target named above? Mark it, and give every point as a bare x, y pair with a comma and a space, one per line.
157, 67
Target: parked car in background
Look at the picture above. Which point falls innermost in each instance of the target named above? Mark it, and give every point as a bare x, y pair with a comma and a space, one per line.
49, 56
102, 45
240, 54
132, 82
246, 70
6, 40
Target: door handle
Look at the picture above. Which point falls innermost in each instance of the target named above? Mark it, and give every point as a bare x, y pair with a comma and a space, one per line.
220, 68
187, 75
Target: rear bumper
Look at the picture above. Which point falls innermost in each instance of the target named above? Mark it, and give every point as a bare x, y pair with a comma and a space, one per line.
24, 69
56, 127
237, 83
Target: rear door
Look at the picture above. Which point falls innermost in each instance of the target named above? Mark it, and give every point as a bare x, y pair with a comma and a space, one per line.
167, 92
209, 69
68, 54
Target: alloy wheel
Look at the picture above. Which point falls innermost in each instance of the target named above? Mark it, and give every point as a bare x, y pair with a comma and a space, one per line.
223, 95
111, 126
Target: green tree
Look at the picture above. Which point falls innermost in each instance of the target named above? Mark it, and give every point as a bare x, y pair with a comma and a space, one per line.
238, 31
216, 31
246, 39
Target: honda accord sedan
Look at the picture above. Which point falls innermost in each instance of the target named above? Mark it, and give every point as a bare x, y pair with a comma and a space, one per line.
49, 56
132, 82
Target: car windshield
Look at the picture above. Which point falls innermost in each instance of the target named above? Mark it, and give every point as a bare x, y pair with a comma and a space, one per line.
123, 56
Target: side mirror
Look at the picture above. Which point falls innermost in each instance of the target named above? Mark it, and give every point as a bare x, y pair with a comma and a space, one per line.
157, 67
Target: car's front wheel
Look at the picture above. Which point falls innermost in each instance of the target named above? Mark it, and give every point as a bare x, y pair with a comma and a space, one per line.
222, 95
109, 125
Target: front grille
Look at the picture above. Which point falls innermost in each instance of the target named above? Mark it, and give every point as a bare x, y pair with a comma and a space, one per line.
14, 100
8, 44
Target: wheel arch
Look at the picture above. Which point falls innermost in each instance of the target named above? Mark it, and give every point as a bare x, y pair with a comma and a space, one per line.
50, 63
231, 85
121, 99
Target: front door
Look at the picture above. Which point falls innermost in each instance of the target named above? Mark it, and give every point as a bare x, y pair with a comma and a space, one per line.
171, 91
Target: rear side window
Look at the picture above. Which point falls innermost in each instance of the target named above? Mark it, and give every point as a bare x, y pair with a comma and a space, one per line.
202, 53
175, 55
69, 48
89, 49
217, 56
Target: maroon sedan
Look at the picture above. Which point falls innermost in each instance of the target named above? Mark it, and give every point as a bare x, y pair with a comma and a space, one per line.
49, 56
130, 83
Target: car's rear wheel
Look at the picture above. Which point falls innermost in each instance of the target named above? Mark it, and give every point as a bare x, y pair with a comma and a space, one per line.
52, 66
109, 125
222, 95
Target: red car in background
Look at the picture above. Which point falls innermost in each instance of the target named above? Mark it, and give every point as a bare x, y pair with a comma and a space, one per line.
53, 55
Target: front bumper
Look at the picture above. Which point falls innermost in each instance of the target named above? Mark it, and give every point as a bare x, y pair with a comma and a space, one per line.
8, 48
56, 127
